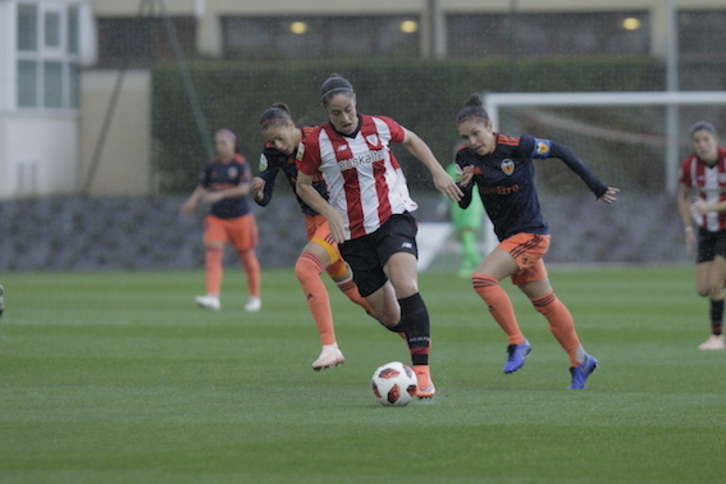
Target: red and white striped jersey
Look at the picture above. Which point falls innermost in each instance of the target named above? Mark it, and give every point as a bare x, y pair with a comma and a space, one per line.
710, 183
365, 182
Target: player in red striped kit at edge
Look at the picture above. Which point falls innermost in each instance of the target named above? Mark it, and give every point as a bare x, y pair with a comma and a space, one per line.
502, 169
368, 211
225, 184
704, 172
321, 254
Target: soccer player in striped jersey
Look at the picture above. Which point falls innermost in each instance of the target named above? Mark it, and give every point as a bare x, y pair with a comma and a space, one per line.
321, 253
369, 211
704, 173
502, 169
224, 185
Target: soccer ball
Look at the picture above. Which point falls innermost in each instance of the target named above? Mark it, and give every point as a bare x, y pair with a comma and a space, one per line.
394, 384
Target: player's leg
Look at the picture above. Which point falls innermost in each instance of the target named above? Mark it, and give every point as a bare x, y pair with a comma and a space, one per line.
214, 238
308, 268
337, 269
401, 269
709, 271
715, 280
397, 250
243, 234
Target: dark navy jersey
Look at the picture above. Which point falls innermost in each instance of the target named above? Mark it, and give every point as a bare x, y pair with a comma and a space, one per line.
272, 161
505, 180
222, 176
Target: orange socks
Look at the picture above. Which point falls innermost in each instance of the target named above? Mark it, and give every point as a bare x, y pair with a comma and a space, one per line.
348, 286
213, 270
252, 269
308, 269
561, 325
500, 306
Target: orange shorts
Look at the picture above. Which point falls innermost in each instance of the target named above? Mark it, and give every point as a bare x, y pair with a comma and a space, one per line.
527, 250
241, 232
318, 231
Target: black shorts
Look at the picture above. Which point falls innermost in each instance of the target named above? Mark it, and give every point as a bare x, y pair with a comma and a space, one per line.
710, 244
368, 254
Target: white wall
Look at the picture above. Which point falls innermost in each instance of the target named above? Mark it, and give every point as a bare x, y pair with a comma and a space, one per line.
50, 144
124, 165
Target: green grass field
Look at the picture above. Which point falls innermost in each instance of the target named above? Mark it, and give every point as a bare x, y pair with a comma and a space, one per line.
119, 378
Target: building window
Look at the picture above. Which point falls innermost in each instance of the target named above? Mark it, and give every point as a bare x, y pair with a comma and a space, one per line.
702, 33
306, 37
548, 34
142, 40
47, 66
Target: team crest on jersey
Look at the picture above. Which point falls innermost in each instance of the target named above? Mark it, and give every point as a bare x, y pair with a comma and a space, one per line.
507, 166
232, 172
263, 162
372, 139
342, 147
300, 152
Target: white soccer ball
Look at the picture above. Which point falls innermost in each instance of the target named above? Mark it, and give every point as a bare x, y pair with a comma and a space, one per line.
394, 384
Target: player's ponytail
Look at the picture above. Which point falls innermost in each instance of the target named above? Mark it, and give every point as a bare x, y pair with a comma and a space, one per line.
335, 84
276, 115
473, 109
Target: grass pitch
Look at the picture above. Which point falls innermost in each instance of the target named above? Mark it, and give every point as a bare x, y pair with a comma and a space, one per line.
118, 378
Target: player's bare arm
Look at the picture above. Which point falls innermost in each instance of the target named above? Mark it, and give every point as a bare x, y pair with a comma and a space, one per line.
684, 210
310, 195
442, 180
241, 190
191, 204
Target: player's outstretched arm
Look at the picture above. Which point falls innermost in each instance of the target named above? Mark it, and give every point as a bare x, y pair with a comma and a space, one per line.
309, 195
600, 189
442, 180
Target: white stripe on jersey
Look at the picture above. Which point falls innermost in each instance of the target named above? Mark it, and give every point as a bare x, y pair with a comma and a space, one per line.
713, 194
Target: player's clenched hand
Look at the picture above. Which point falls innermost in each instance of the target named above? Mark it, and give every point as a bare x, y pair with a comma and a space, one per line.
447, 186
609, 195
699, 207
257, 187
336, 225
467, 173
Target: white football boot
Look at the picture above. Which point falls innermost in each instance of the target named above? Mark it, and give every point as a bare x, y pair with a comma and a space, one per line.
253, 305
714, 342
329, 357
208, 302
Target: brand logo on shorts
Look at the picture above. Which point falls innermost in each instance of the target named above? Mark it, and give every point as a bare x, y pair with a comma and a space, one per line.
407, 245
507, 166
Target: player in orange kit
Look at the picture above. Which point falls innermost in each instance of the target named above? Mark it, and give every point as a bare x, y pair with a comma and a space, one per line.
502, 169
225, 185
321, 253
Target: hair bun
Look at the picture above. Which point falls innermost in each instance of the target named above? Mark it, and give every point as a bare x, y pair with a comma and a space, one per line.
474, 100
281, 106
